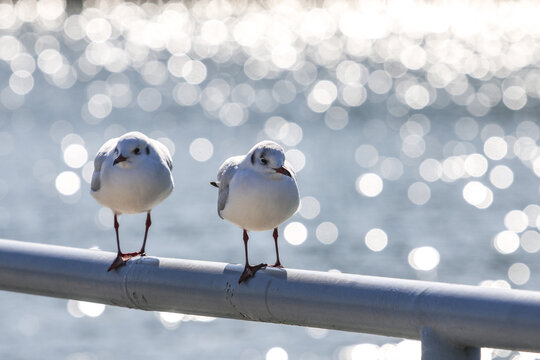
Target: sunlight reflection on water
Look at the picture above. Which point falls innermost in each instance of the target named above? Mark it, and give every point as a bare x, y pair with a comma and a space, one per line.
403, 121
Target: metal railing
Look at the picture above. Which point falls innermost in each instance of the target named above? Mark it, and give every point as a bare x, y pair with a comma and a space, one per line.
453, 321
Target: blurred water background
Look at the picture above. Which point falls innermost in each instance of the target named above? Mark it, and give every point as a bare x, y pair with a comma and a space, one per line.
412, 127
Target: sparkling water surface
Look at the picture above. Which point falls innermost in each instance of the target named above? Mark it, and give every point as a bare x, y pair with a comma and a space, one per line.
413, 128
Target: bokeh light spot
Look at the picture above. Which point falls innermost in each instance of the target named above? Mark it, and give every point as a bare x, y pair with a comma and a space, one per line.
430, 170
170, 320
495, 148
425, 258
477, 194
79, 309
68, 183
277, 353
516, 221
530, 241
201, 149
309, 207
296, 158
295, 233
376, 239
519, 273
506, 242
327, 233
419, 193
501, 176
75, 155
369, 184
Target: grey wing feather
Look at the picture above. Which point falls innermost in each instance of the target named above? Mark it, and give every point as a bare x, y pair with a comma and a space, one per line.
102, 154
224, 177
163, 152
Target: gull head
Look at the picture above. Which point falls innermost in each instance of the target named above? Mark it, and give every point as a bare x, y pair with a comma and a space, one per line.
131, 149
269, 158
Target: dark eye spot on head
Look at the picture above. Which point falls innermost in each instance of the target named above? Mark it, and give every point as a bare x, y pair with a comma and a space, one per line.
147, 150
137, 151
263, 158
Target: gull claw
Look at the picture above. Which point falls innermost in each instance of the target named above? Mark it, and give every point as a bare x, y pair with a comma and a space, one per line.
249, 271
120, 260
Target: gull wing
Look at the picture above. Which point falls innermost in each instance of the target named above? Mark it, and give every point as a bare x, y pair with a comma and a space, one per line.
163, 152
102, 154
224, 177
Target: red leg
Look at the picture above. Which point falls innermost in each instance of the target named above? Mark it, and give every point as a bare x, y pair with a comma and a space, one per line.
246, 239
116, 226
278, 263
148, 223
120, 258
249, 271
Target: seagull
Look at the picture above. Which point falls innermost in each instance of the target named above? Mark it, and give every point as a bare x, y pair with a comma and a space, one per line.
132, 174
258, 192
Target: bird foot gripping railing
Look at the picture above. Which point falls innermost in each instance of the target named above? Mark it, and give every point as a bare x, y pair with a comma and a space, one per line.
452, 321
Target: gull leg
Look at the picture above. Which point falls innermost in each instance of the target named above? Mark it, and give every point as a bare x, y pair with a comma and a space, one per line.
278, 263
120, 257
249, 270
148, 223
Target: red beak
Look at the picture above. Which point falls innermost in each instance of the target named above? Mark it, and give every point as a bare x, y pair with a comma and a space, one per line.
283, 171
120, 158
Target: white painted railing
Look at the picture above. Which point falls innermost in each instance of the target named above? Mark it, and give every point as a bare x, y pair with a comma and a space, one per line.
453, 321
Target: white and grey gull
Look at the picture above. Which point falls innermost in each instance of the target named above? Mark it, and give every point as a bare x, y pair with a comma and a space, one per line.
257, 191
132, 174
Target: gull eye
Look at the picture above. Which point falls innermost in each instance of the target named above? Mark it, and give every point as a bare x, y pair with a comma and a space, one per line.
264, 161
137, 151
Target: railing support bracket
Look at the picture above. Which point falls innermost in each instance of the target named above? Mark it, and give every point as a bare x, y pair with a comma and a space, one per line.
434, 347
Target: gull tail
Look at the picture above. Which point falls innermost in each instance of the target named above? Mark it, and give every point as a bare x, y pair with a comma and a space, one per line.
214, 183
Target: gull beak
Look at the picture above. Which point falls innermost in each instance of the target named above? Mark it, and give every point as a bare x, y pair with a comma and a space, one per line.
120, 158
283, 171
